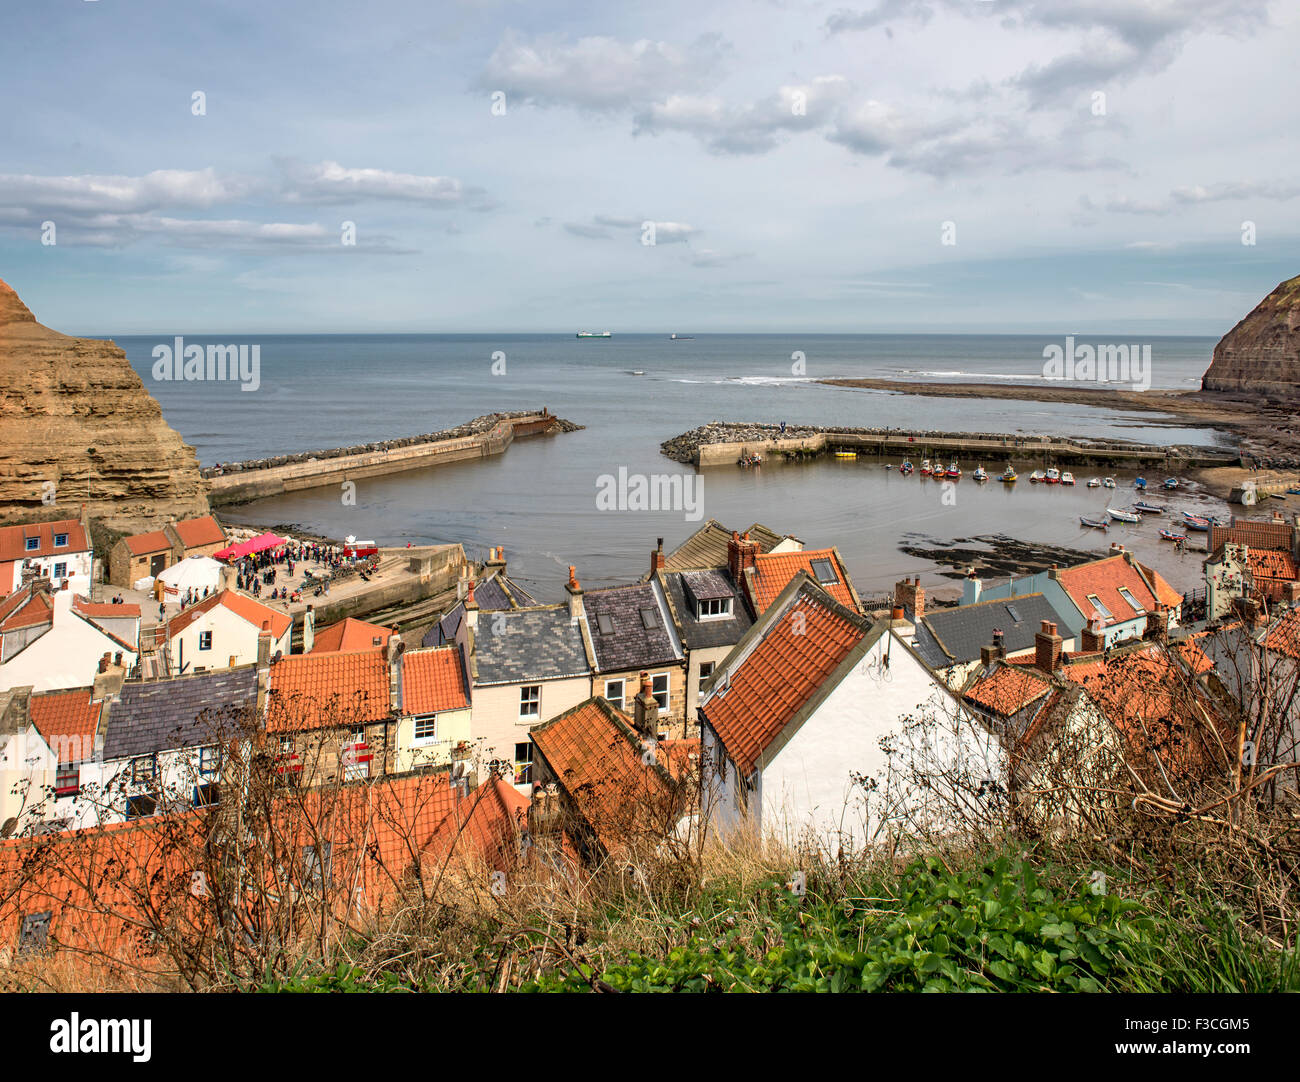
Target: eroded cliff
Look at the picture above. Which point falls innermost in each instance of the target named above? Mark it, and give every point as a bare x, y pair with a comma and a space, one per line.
1261, 354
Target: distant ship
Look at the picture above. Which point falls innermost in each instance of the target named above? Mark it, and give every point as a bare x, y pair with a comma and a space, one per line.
682, 337
594, 334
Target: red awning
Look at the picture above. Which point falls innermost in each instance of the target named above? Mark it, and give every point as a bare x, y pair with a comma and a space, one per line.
246, 548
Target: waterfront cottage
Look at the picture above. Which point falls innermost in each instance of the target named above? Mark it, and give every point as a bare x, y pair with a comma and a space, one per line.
1252, 559
495, 592
435, 725
147, 555
762, 576
221, 632
346, 636
709, 546
57, 552
822, 728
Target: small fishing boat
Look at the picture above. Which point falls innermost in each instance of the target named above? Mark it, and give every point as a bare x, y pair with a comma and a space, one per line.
1140, 483
1036, 476
889, 465
1109, 482
749, 461
1094, 482
1196, 522
906, 468
980, 474
1067, 478
846, 454
1293, 491
1148, 508
1123, 516
1053, 477
953, 470
1093, 523
926, 468
1171, 482
1009, 476
1169, 535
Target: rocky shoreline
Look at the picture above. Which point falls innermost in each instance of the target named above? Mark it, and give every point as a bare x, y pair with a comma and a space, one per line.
476, 427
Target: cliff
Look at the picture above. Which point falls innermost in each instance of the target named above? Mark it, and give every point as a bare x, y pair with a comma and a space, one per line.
1261, 354
74, 413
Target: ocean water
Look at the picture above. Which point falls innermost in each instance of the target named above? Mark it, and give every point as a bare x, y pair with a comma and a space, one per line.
539, 499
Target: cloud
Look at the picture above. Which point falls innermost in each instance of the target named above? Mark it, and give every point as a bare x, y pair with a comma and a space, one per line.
1193, 195
601, 73
89, 193
330, 182
609, 226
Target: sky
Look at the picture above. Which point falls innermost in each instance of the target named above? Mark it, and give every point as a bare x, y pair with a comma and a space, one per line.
1002, 166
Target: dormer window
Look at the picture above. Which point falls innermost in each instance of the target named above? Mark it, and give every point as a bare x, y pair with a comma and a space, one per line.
60, 540
1099, 608
649, 618
713, 608
33, 543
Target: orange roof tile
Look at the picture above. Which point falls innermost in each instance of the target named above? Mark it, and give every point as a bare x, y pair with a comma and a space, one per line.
34, 608
1284, 636
310, 691
349, 634
13, 539
1165, 593
772, 572
197, 532
1008, 689
68, 721
145, 544
433, 680
254, 612
782, 672
101, 610
1104, 578
1271, 564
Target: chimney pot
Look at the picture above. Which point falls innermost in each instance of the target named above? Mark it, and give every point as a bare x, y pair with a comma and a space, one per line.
1047, 648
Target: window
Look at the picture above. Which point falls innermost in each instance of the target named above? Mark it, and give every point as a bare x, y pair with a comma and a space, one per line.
649, 618
824, 571
614, 693
1015, 616
205, 640
35, 932
713, 608
33, 543
140, 807
706, 670
426, 728
530, 701
356, 755
67, 781
207, 795
659, 688
60, 540
60, 571
524, 763
143, 769
1133, 603
604, 624
1096, 604
209, 760
316, 866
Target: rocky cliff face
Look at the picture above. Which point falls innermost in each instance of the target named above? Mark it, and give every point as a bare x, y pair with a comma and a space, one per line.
1261, 354
78, 426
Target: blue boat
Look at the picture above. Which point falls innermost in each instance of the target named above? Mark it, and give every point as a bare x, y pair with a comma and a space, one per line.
1171, 482
1196, 522
1140, 482
1093, 523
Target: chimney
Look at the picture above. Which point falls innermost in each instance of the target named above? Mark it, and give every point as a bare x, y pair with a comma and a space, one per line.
496, 560
1091, 641
1047, 648
646, 710
395, 652
971, 587
574, 587
740, 555
471, 608
264, 644
104, 661
911, 595
657, 557
990, 654
394, 647
1158, 623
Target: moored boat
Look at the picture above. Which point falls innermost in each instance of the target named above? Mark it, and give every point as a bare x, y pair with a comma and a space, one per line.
926, 468
1123, 516
1109, 482
1067, 478
1148, 508
1094, 482
953, 470
1169, 535
1171, 482
1196, 522
1140, 482
906, 467
1053, 476
1009, 476
1036, 476
980, 474
846, 454
1093, 523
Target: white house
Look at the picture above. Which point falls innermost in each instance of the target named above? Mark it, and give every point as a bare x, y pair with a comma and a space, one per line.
221, 632
56, 551
821, 727
50, 641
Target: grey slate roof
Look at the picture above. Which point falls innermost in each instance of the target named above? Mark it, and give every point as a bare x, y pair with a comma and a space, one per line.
187, 711
528, 644
702, 634
707, 546
492, 594
947, 637
629, 644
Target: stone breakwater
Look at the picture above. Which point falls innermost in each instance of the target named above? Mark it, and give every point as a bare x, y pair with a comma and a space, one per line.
477, 427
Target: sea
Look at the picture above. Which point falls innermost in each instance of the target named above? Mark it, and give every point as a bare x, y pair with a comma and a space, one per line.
542, 500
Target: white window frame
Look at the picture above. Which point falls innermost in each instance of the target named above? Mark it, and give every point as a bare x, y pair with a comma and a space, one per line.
421, 720
526, 700
704, 676
31, 544
60, 544
208, 636
723, 612
526, 764
1098, 607
1127, 595
621, 702
61, 570
667, 692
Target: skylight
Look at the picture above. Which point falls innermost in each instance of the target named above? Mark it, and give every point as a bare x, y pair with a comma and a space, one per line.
649, 618
1015, 616
1101, 609
1127, 596
605, 624
825, 571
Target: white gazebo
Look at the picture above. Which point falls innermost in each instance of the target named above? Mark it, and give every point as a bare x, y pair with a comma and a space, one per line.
195, 573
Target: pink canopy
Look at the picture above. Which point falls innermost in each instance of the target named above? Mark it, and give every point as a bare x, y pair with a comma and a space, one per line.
260, 543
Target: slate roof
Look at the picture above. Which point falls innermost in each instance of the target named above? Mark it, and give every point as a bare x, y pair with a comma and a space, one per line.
493, 594
187, 711
539, 643
946, 637
13, 539
703, 634
433, 680
795, 656
624, 641
707, 546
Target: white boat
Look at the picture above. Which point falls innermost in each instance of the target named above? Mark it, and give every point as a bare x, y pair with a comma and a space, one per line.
1123, 516
1109, 482
1067, 478
1036, 476
1094, 482
980, 474
594, 334
1053, 476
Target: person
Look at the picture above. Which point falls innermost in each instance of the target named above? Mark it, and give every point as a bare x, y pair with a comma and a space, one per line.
783, 428
162, 612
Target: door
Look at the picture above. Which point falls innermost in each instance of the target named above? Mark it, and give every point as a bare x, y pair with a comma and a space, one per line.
158, 564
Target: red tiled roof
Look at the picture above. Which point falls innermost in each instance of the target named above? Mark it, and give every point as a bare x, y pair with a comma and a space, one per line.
1253, 532
1284, 636
772, 572
309, 691
433, 680
67, 720
198, 532
1104, 578
254, 612
1165, 593
596, 757
13, 539
33, 608
1271, 564
1008, 689
145, 544
349, 634
783, 671
101, 610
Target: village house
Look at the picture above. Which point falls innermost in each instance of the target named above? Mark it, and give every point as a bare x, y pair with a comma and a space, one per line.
709, 546
147, 555
56, 551
435, 724
821, 727
762, 576
221, 632
60, 640
1252, 559
346, 636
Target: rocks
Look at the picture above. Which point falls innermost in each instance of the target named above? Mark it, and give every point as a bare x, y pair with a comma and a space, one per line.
77, 426
1261, 354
